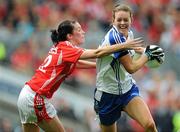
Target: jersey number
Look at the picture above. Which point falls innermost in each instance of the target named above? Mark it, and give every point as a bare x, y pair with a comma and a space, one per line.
46, 62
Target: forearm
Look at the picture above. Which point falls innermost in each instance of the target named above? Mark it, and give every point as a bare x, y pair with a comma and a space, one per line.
106, 50
85, 64
100, 52
132, 65
137, 64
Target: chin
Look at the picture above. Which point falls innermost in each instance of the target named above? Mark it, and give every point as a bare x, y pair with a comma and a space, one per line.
80, 43
124, 31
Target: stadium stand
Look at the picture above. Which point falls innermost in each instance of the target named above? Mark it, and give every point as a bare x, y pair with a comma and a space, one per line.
25, 39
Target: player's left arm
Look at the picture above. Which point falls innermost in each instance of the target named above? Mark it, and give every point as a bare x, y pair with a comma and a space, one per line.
83, 64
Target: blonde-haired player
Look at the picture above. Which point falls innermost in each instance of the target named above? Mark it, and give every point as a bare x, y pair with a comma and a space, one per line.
116, 90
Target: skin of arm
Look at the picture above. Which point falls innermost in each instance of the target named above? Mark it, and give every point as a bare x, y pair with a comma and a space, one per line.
131, 65
82, 64
140, 50
106, 50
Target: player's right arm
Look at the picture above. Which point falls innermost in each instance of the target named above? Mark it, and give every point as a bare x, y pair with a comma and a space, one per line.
132, 65
106, 50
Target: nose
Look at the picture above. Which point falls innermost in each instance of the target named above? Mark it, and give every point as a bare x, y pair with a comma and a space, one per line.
122, 22
83, 32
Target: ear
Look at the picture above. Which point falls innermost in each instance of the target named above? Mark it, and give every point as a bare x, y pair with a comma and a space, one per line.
69, 36
112, 19
131, 20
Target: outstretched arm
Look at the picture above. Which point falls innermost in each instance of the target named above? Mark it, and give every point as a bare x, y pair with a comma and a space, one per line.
85, 64
106, 50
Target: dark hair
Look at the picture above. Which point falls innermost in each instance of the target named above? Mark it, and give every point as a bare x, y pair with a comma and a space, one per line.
66, 27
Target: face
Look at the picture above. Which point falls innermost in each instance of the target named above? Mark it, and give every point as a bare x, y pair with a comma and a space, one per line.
78, 35
122, 21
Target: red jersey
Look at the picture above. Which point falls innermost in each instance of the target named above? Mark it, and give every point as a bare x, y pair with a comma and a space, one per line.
59, 63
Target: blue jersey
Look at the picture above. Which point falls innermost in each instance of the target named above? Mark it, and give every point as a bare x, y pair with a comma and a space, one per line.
111, 75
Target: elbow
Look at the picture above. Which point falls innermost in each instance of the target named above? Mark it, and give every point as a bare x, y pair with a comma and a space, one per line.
131, 70
99, 53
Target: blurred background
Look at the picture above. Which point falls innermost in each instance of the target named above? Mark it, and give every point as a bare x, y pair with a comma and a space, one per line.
25, 40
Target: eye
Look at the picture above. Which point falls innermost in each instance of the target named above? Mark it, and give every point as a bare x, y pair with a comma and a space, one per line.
125, 19
79, 29
119, 20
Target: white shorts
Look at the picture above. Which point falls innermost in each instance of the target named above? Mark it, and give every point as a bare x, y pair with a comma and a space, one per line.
33, 107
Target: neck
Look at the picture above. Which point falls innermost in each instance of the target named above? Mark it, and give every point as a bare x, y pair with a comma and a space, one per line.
124, 33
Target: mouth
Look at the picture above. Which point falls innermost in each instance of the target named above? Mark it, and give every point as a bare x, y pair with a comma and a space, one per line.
123, 27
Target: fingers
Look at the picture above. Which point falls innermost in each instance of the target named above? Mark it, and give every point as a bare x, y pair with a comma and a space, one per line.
157, 49
138, 40
161, 55
158, 59
135, 41
139, 50
140, 45
157, 52
154, 52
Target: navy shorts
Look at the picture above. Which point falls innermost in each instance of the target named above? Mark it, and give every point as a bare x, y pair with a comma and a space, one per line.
109, 106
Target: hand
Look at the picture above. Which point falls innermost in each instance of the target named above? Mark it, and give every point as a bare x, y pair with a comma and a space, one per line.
139, 50
160, 58
154, 52
134, 44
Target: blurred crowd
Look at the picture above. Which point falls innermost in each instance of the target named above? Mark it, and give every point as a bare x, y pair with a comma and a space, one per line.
25, 40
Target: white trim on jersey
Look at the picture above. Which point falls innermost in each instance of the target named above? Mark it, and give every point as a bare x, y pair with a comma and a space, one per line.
60, 58
53, 75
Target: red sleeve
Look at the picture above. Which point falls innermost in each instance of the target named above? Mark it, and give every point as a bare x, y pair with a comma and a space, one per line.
70, 52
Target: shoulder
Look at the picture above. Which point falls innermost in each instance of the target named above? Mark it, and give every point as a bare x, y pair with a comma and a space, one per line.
66, 44
114, 36
108, 38
61, 43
